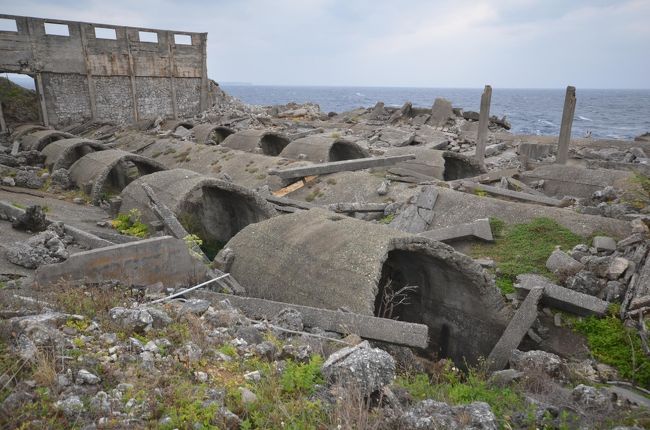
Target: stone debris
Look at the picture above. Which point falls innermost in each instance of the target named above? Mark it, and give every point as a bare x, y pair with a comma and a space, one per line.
360, 367
47, 247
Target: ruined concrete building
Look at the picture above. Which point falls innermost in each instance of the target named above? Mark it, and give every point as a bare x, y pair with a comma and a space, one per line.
106, 72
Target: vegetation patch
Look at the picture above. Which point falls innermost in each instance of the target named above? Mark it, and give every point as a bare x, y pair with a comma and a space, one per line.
524, 248
614, 344
130, 224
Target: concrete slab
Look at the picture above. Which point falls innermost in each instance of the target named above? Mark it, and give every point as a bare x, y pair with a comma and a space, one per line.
145, 262
563, 180
454, 207
516, 330
416, 217
479, 229
561, 298
516, 195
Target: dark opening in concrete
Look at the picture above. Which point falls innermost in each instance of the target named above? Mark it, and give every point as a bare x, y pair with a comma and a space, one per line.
272, 144
420, 288
122, 174
342, 150
459, 167
219, 134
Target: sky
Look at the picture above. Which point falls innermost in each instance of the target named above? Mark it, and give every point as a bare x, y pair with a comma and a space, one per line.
418, 43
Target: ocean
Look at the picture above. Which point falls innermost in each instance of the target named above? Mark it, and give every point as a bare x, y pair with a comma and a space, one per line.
607, 114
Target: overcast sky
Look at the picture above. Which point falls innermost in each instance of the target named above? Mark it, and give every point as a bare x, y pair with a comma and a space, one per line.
423, 43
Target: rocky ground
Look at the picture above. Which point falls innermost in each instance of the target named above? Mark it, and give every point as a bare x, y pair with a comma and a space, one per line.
103, 356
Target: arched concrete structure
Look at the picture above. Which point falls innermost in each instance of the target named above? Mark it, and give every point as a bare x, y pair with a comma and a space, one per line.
38, 140
213, 209
321, 149
318, 258
97, 171
444, 165
24, 129
211, 134
64, 153
259, 141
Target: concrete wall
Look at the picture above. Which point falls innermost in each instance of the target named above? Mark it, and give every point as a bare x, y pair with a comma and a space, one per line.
81, 76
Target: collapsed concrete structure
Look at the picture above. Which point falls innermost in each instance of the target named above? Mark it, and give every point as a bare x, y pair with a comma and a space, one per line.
110, 171
331, 261
106, 72
320, 149
257, 141
62, 154
213, 209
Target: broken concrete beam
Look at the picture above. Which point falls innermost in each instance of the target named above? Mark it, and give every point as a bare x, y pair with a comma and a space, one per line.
523, 187
357, 207
368, 327
561, 298
512, 194
417, 217
478, 229
485, 178
287, 202
145, 262
340, 166
85, 238
516, 330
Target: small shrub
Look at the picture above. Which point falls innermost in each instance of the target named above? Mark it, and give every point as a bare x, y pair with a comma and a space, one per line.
302, 378
130, 224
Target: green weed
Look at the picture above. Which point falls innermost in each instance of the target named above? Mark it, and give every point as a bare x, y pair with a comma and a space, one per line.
130, 224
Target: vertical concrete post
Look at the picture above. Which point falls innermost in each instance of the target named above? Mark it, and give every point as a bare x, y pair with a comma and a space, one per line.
172, 66
134, 99
567, 123
89, 74
3, 124
41, 98
204, 73
483, 122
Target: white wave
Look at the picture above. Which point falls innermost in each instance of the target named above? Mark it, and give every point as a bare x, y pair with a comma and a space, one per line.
545, 122
359, 95
584, 118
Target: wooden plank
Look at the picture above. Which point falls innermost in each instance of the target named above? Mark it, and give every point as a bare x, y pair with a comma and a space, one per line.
294, 187
340, 166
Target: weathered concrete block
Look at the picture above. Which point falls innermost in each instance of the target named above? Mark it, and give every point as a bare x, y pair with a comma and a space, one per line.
479, 229
561, 298
604, 243
161, 259
562, 264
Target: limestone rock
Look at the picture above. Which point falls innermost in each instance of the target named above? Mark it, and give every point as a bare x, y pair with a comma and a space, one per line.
432, 415
360, 367
28, 179
33, 220
532, 361
604, 243
289, 319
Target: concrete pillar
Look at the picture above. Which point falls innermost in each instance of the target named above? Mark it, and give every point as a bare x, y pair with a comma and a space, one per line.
172, 64
483, 121
567, 123
89, 74
3, 124
204, 73
41, 98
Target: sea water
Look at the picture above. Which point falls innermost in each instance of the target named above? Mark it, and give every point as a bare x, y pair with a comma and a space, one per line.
606, 114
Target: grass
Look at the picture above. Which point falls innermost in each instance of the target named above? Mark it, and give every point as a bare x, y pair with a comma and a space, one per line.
524, 248
130, 224
612, 343
451, 386
387, 219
